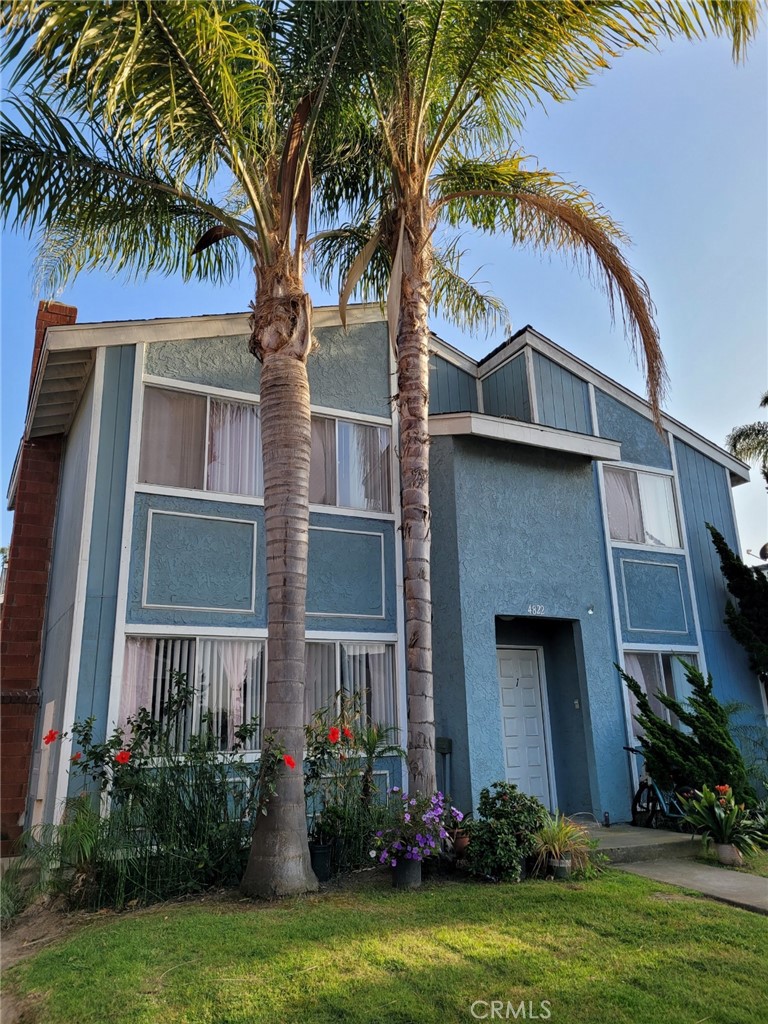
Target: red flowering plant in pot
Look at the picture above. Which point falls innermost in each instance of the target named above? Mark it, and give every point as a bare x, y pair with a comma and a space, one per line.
721, 822
344, 805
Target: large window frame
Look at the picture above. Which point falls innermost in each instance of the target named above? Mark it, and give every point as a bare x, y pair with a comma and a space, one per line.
669, 678
337, 419
193, 649
641, 507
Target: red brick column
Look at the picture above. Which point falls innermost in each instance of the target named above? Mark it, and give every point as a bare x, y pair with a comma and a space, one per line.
23, 609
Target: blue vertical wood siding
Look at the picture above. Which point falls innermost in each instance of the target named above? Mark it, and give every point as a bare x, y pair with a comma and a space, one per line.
505, 391
704, 487
106, 537
451, 389
562, 398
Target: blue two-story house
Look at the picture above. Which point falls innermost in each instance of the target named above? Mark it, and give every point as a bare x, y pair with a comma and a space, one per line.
568, 534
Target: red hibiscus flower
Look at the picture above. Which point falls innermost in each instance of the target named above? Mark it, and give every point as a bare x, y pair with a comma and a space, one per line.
123, 757
289, 761
334, 734
77, 756
50, 736
347, 732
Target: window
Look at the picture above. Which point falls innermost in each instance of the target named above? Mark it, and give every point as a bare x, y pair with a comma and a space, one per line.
227, 676
658, 673
350, 465
366, 671
229, 681
212, 444
190, 440
641, 508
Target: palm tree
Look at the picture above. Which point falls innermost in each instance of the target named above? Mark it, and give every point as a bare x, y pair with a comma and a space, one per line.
750, 442
143, 133
446, 84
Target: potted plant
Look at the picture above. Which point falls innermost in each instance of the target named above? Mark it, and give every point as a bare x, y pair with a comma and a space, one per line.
415, 833
561, 845
721, 822
320, 848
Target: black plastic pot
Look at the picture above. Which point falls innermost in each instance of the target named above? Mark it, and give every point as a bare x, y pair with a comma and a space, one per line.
320, 855
406, 874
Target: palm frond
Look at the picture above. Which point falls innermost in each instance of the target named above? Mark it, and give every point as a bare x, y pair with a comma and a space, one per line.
750, 444
460, 299
542, 211
102, 204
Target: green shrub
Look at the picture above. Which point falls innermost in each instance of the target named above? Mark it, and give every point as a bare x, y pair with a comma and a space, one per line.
174, 823
13, 895
703, 753
502, 834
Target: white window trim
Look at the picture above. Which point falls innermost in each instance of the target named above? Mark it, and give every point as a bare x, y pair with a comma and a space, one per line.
640, 629
242, 397
355, 615
668, 474
198, 608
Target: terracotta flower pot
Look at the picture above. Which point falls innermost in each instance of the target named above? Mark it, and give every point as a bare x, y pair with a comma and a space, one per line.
728, 854
460, 842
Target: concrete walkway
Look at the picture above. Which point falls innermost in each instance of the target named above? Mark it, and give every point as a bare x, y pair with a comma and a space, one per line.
735, 887
668, 857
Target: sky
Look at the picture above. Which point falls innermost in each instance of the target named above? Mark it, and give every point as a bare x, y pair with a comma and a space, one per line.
674, 144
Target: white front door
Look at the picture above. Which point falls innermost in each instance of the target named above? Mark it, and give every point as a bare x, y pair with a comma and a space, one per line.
522, 720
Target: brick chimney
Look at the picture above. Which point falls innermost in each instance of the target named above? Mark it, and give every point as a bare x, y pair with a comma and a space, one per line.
26, 591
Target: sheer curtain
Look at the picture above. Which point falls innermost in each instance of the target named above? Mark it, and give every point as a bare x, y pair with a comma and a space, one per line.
645, 669
622, 498
322, 469
368, 670
659, 518
234, 449
230, 682
319, 678
138, 677
364, 478
172, 438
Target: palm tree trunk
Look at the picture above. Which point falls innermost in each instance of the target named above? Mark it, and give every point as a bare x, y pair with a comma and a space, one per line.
279, 862
413, 404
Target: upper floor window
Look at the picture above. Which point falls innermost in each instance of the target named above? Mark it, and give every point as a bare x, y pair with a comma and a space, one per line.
207, 443
641, 508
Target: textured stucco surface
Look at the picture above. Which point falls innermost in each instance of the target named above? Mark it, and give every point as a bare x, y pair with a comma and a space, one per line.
345, 573
348, 371
529, 534
640, 441
447, 639
657, 596
192, 562
351, 576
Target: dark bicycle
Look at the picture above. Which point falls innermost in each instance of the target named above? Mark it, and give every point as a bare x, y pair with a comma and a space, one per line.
653, 806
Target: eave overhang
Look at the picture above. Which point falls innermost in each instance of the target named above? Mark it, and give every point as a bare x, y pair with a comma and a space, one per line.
493, 428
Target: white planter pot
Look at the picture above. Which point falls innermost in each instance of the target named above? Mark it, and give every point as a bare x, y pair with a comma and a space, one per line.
728, 854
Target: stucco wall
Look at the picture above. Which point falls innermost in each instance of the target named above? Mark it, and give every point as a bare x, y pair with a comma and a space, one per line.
529, 533
640, 441
346, 371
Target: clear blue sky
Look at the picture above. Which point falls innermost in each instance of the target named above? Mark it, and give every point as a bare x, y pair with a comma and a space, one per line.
675, 145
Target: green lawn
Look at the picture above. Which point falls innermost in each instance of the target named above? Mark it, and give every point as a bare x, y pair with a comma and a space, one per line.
618, 949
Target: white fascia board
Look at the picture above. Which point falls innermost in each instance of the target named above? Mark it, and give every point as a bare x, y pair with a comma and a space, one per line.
531, 434
14, 481
133, 332
512, 348
452, 355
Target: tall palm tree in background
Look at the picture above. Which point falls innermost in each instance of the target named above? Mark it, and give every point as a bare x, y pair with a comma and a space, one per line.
750, 442
141, 134
444, 86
